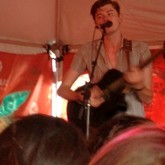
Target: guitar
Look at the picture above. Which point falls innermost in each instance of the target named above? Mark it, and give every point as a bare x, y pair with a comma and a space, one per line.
111, 84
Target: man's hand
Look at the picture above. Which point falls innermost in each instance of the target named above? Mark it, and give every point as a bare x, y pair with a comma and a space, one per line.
96, 98
134, 77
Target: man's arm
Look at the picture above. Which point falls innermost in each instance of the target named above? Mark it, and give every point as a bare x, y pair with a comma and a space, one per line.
65, 91
145, 94
65, 88
141, 82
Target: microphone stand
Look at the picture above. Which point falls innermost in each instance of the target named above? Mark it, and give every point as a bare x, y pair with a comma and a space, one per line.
95, 61
86, 106
86, 101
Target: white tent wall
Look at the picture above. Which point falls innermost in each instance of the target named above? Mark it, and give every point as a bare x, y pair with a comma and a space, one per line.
142, 20
26, 25
69, 21
30, 20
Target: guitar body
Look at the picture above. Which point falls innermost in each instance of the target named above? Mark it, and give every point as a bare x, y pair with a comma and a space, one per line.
76, 112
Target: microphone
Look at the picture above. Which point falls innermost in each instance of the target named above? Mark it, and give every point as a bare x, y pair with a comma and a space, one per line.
104, 25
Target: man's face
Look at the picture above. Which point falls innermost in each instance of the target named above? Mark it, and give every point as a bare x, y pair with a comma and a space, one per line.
108, 13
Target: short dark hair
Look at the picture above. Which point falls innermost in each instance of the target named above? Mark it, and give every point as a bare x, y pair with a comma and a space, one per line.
100, 3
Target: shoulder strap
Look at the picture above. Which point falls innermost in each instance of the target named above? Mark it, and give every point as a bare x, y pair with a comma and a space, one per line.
127, 45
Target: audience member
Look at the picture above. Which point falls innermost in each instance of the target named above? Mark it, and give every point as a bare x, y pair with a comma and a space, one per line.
141, 145
113, 127
42, 140
4, 122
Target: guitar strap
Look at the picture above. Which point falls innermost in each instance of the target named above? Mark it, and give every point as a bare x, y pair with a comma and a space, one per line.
127, 45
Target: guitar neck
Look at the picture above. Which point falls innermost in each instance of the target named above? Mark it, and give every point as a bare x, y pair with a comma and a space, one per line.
152, 58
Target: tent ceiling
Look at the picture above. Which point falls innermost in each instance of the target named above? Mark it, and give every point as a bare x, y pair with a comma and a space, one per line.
31, 20
69, 21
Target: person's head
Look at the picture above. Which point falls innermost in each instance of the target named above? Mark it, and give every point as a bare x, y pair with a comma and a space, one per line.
106, 10
115, 126
42, 139
100, 3
138, 146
